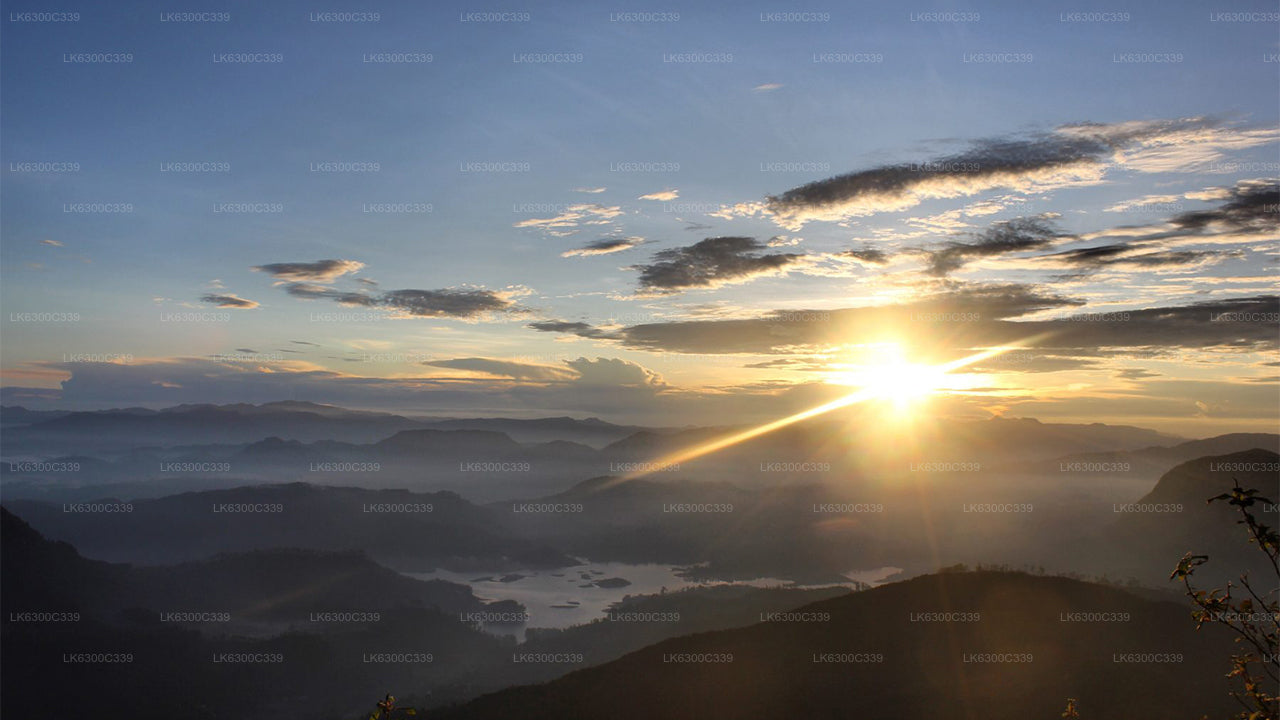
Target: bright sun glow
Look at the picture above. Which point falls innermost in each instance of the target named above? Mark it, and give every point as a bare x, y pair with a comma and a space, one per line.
885, 373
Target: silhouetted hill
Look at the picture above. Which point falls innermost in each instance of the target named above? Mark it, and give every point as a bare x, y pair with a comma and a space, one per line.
418, 531
174, 660
265, 587
118, 430
1145, 538
591, 431
1152, 461
486, 444
869, 655
13, 415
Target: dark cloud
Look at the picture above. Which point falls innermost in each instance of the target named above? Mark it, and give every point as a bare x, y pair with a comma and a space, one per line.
1254, 206
506, 368
229, 301
318, 271
956, 322
604, 247
868, 255
311, 291
580, 329
445, 303
1018, 234
464, 303
783, 329
710, 263
1132, 255
1070, 152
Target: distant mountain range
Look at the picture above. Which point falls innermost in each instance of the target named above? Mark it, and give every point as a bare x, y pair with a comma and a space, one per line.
1148, 461
138, 453
108, 431
418, 531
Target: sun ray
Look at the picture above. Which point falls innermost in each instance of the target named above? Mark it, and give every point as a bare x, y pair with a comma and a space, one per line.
866, 393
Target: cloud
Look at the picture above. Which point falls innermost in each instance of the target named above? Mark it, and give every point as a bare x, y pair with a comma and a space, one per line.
767, 87
321, 271
573, 217
1254, 205
446, 303
1142, 202
1019, 234
55, 243
598, 386
664, 195
868, 256
958, 321
591, 191
1249, 215
506, 368
710, 263
1135, 374
464, 303
1210, 193
581, 329
311, 291
604, 247
1133, 256
786, 330
229, 301
614, 371
1069, 155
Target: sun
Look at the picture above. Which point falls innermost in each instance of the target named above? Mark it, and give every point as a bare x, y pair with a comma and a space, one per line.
883, 372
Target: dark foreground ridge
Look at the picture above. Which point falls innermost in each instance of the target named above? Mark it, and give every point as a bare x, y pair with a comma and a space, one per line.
970, 645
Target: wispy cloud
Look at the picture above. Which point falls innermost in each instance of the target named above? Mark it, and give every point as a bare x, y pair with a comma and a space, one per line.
513, 369
1070, 155
1019, 234
322, 271
229, 301
573, 218
604, 247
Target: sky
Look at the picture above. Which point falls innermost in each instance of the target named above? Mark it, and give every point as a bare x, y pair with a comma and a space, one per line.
662, 213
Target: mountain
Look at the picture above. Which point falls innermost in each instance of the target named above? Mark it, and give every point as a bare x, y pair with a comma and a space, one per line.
854, 449
114, 431
265, 588
448, 443
1175, 517
418, 531
184, 629
591, 431
1146, 537
483, 464
116, 641
729, 531
1148, 461
1007, 653
14, 415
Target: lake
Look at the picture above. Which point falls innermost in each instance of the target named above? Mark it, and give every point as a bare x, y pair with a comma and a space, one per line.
571, 596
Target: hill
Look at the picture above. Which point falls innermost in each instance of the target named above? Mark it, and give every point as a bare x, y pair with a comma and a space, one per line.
418, 531
1007, 653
